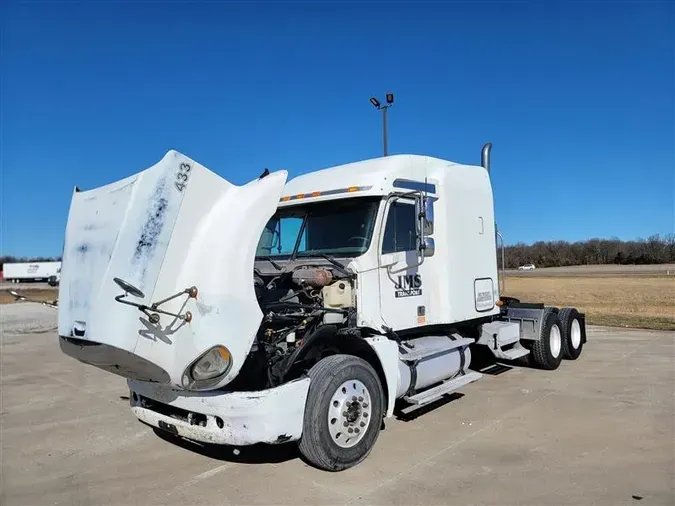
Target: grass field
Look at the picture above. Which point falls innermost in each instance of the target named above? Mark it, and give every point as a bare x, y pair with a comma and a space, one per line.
598, 270
627, 301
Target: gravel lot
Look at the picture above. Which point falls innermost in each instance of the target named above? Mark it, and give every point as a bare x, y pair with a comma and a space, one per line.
600, 430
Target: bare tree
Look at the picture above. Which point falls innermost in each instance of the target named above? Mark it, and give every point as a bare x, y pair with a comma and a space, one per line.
654, 250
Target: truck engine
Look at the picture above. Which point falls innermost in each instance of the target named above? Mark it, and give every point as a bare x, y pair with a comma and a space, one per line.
301, 307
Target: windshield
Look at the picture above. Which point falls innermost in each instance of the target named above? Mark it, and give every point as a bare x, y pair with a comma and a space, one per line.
339, 227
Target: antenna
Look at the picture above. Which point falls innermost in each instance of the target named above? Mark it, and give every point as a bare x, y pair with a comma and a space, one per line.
425, 196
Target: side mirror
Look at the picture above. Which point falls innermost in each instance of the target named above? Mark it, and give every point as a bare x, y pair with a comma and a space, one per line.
428, 216
425, 216
129, 288
425, 212
428, 247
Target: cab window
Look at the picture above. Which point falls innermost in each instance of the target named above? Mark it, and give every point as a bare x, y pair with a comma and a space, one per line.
341, 227
400, 232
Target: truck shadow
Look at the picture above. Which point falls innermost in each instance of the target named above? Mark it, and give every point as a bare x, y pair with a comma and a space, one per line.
483, 362
254, 454
495, 369
423, 410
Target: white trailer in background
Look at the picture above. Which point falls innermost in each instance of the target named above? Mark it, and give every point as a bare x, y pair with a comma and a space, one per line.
299, 310
32, 271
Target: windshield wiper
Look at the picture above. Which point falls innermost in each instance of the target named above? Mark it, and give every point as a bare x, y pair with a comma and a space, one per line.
274, 264
339, 265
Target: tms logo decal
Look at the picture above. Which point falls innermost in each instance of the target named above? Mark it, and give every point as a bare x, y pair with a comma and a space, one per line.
408, 286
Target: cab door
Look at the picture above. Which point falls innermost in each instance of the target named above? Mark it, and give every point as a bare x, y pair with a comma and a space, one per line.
402, 270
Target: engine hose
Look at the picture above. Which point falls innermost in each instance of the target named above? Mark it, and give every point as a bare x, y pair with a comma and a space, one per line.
279, 318
322, 332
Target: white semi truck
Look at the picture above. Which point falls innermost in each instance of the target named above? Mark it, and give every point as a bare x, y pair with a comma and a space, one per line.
299, 310
17, 272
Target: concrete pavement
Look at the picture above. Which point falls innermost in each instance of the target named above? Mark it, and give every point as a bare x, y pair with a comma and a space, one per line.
600, 430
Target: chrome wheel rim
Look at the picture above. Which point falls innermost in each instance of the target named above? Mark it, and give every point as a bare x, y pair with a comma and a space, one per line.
349, 413
575, 334
555, 341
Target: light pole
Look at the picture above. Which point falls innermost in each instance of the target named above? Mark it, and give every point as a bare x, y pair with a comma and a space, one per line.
389, 97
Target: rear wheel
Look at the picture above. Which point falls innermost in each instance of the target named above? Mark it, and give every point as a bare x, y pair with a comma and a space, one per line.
570, 324
343, 412
547, 352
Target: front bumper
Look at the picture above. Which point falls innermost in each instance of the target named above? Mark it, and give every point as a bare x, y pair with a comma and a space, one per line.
233, 418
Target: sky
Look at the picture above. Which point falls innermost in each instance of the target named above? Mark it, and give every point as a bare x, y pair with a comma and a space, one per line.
577, 98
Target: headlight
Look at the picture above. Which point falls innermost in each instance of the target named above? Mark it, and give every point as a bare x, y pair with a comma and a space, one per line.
208, 369
212, 364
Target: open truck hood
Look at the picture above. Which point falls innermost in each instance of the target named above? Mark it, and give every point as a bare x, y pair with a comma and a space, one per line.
165, 229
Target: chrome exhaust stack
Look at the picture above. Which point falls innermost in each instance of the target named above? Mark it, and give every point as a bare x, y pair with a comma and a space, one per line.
485, 156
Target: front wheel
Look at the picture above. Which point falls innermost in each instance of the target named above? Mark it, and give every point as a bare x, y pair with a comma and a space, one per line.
343, 412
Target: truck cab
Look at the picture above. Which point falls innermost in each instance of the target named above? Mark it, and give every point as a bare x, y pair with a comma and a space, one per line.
299, 310
417, 231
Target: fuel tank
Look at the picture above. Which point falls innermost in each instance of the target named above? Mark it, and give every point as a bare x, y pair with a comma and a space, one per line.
427, 360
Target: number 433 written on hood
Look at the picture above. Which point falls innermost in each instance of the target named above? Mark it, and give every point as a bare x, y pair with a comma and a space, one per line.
182, 176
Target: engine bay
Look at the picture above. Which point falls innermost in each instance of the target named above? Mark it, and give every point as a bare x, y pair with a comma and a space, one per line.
300, 305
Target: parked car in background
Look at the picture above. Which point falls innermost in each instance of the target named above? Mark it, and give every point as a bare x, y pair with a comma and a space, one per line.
526, 267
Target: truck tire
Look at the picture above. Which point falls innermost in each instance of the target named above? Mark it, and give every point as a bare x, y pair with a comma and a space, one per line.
343, 412
571, 333
547, 351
